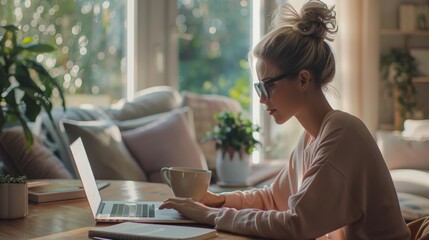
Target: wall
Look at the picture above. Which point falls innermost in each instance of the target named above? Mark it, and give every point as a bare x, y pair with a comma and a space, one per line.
156, 44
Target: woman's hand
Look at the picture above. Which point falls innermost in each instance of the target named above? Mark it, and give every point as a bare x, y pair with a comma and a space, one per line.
213, 200
191, 209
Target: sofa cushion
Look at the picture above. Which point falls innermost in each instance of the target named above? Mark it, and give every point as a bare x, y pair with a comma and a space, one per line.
411, 181
36, 162
402, 152
166, 142
149, 101
108, 156
204, 106
56, 140
412, 206
416, 129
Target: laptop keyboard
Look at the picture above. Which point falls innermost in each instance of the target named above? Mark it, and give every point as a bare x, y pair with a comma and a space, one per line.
134, 210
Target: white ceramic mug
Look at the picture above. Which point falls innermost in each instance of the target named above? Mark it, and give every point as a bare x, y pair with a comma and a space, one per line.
187, 182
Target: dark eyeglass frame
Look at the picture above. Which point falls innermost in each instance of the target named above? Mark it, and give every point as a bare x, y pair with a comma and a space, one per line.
261, 87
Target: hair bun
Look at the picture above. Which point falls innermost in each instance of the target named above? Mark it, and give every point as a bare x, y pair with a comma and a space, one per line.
315, 19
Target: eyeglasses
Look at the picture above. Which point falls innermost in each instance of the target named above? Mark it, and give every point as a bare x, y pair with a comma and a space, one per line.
262, 87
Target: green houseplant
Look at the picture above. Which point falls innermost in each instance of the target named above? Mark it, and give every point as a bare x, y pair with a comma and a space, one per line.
399, 68
233, 133
10, 179
26, 89
26, 86
234, 141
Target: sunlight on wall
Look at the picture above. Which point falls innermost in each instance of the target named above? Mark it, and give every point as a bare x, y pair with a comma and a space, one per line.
131, 47
256, 35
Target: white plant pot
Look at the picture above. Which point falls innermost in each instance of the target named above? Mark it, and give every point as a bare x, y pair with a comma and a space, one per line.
232, 170
13, 200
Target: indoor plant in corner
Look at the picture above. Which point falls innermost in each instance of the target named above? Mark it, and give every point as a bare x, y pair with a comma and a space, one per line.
398, 68
26, 89
234, 141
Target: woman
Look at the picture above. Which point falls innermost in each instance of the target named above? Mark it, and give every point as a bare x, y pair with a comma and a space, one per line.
336, 185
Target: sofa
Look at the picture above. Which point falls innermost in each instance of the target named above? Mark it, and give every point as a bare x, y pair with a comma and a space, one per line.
129, 140
407, 156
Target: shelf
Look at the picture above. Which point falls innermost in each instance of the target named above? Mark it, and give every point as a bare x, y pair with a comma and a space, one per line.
390, 32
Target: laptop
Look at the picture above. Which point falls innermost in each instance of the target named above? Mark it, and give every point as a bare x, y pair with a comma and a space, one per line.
118, 211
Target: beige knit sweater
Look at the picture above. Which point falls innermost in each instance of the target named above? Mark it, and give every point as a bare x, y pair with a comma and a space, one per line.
335, 187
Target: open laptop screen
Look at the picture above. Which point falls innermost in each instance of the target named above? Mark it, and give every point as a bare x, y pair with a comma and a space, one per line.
86, 175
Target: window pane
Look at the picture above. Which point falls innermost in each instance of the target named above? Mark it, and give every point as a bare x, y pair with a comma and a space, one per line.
214, 40
89, 36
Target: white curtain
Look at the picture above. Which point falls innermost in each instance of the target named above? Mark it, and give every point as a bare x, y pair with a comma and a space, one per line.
357, 56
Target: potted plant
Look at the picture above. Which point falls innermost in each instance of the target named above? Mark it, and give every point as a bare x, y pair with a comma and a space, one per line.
26, 89
399, 68
26, 86
234, 141
13, 197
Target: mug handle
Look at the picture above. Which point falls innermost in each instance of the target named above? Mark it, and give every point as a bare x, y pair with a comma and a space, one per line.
165, 175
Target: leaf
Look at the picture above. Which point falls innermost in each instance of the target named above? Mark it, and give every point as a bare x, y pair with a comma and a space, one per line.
12, 106
2, 117
26, 40
32, 107
10, 28
37, 47
27, 132
24, 79
39, 99
233, 132
46, 78
4, 83
8, 43
13, 109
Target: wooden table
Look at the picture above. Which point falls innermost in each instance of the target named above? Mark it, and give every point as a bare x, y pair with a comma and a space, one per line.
72, 219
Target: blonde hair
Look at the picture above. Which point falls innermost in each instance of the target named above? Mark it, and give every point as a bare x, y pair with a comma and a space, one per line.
297, 40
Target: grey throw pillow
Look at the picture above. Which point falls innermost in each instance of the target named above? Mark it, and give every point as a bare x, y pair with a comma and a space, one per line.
108, 156
166, 142
147, 102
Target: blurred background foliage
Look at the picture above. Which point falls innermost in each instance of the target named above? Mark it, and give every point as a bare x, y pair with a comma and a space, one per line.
214, 40
88, 35
213, 47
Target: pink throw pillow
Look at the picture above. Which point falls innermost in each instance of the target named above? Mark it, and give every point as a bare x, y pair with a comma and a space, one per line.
36, 162
167, 142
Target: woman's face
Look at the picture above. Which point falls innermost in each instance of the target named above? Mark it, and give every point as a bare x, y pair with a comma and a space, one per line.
285, 98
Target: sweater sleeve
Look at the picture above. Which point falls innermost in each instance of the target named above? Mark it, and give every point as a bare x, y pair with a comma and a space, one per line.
264, 198
313, 211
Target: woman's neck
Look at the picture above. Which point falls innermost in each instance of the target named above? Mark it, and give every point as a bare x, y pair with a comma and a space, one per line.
313, 113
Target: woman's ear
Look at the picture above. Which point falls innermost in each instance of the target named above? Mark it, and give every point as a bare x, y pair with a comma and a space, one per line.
304, 77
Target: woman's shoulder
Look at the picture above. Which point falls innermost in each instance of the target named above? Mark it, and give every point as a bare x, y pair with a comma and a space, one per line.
340, 118
337, 120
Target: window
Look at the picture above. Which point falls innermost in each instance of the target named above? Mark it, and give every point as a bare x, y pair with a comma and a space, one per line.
214, 39
193, 45
89, 36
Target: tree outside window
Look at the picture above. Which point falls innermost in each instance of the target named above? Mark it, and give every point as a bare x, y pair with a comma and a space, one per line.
214, 41
89, 36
